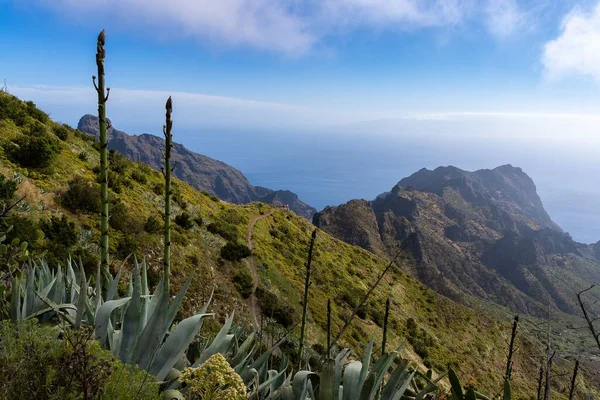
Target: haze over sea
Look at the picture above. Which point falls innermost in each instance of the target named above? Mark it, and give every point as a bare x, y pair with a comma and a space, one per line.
361, 161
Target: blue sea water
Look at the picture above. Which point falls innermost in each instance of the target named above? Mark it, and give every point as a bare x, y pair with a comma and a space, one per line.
330, 168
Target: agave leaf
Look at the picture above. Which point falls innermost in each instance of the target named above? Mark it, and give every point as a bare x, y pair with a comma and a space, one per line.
340, 360
58, 310
246, 348
470, 395
152, 335
175, 345
114, 285
103, 317
456, 386
270, 383
242, 364
379, 371
218, 342
365, 365
352, 374
284, 391
172, 394
174, 307
300, 383
260, 364
327, 385
400, 391
81, 300
131, 325
29, 292
396, 380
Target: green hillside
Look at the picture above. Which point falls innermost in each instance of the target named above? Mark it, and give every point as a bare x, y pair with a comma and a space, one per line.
55, 167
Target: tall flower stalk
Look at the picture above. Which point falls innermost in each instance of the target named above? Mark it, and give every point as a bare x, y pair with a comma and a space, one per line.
167, 175
102, 98
305, 302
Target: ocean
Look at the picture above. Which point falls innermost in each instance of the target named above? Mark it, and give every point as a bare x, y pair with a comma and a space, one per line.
332, 167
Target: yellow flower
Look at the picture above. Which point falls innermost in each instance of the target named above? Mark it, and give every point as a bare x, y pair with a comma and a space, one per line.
214, 380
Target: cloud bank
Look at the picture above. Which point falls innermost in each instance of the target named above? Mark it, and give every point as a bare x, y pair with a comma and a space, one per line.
576, 51
290, 27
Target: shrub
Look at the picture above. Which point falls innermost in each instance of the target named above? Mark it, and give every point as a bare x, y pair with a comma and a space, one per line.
23, 228
36, 113
61, 132
37, 364
8, 187
122, 220
83, 156
198, 221
117, 162
214, 379
60, 230
82, 195
243, 283
13, 109
153, 225
36, 150
235, 251
184, 220
139, 177
279, 309
226, 231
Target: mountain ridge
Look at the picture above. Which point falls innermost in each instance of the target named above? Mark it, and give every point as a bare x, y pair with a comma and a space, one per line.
483, 233
202, 172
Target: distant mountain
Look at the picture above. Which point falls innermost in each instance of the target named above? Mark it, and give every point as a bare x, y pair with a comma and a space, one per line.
482, 233
202, 172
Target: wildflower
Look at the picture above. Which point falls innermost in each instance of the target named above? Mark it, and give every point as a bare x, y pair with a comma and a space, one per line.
214, 380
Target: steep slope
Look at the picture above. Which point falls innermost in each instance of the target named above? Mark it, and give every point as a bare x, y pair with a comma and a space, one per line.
202, 172
482, 233
446, 332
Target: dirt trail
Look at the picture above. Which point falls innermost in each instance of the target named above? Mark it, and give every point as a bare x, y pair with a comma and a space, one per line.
253, 270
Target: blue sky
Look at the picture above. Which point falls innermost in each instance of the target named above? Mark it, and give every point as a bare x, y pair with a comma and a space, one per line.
274, 63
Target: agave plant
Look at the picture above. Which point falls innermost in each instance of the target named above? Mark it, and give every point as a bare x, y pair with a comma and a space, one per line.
356, 380
43, 293
468, 392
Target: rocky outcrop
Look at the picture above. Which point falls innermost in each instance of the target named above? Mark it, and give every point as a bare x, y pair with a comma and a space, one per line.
202, 172
482, 233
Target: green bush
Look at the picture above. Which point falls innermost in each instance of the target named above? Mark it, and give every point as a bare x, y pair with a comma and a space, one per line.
184, 220
226, 231
61, 132
117, 162
8, 187
36, 364
274, 307
83, 156
60, 230
82, 195
153, 225
36, 113
23, 228
139, 177
13, 109
122, 220
198, 221
36, 150
235, 251
243, 283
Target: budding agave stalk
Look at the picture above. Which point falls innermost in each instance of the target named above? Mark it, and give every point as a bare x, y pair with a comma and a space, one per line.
305, 302
167, 175
385, 326
511, 348
100, 54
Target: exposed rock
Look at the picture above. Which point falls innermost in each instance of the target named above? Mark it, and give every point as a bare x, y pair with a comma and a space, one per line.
202, 172
482, 233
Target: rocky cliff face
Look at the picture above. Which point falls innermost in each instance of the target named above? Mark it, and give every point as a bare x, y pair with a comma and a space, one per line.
482, 233
202, 172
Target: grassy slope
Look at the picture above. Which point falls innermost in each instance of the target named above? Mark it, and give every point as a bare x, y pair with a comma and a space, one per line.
473, 340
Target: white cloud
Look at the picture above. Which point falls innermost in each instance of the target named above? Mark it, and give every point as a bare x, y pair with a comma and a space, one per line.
146, 107
504, 17
577, 50
264, 24
291, 27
